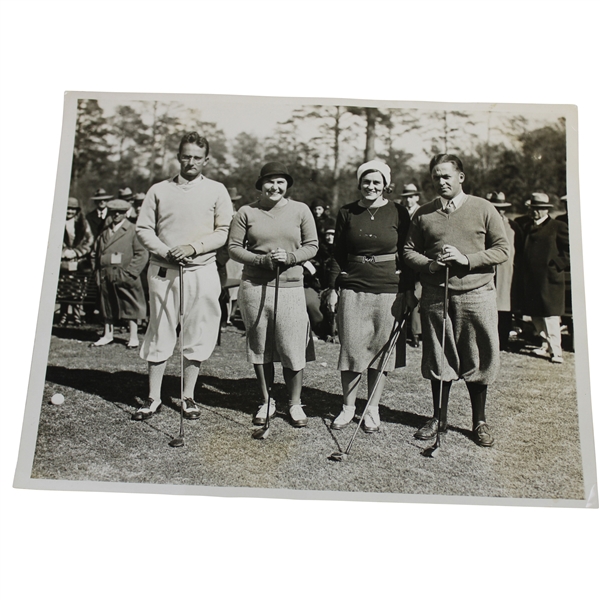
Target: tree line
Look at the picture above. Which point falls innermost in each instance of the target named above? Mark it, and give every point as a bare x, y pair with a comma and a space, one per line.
322, 146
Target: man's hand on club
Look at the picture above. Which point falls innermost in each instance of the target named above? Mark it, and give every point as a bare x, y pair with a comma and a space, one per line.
447, 256
181, 254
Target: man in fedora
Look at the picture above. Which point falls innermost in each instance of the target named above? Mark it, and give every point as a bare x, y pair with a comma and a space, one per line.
97, 217
507, 273
465, 234
410, 197
545, 262
183, 221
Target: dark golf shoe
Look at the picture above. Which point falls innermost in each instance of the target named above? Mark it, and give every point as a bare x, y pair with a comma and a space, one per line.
482, 435
430, 429
191, 410
145, 412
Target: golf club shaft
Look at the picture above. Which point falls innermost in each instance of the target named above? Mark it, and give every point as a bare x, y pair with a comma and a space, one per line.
274, 341
181, 346
392, 343
440, 395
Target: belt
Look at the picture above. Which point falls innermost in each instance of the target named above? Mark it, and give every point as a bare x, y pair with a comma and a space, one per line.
371, 259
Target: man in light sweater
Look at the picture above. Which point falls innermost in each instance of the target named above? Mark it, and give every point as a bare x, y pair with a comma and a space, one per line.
466, 234
183, 221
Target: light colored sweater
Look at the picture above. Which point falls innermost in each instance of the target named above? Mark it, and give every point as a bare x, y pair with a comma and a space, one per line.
177, 212
475, 229
256, 232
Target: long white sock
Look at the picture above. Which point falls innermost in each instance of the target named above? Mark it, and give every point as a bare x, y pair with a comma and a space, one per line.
155, 377
191, 369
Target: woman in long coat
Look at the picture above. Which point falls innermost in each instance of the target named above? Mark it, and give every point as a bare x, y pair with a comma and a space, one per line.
120, 259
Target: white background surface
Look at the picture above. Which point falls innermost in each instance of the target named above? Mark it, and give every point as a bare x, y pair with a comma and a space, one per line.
94, 545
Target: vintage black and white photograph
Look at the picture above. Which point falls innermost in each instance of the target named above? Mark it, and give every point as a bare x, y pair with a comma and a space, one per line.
314, 298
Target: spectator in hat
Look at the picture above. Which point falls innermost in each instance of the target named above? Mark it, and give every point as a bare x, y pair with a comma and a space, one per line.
136, 204
275, 230
183, 221
120, 260
545, 262
374, 286
97, 217
320, 211
507, 273
465, 234
410, 197
567, 318
77, 244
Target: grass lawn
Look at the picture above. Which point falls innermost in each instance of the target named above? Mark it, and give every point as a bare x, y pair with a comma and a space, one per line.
532, 409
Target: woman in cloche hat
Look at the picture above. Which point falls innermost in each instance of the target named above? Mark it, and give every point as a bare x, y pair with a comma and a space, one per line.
275, 231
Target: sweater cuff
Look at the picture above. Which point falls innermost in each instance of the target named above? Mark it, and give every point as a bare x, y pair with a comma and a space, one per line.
198, 248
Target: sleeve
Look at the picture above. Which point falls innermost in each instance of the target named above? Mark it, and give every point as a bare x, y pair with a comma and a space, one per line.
340, 252
140, 258
563, 260
496, 245
414, 248
223, 214
309, 238
237, 240
146, 226
407, 275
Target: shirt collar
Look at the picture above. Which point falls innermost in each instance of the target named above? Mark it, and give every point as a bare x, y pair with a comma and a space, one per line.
458, 200
541, 220
179, 180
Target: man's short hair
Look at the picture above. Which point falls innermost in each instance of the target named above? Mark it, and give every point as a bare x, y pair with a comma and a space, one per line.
194, 138
446, 158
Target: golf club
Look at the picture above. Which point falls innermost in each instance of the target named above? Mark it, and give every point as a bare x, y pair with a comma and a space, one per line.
178, 441
340, 456
434, 450
263, 432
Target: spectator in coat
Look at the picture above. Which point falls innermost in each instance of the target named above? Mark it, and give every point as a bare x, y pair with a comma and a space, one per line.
97, 217
410, 197
545, 261
320, 211
120, 259
506, 272
77, 243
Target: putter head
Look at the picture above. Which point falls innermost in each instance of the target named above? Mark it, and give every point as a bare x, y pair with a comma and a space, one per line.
338, 456
261, 434
176, 442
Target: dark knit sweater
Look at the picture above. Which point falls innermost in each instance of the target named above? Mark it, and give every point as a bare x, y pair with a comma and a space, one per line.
356, 234
475, 229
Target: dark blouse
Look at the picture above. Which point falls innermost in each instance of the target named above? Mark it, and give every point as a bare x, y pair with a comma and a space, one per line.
358, 235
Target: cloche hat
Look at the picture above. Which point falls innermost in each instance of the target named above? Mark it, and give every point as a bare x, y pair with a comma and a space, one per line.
271, 169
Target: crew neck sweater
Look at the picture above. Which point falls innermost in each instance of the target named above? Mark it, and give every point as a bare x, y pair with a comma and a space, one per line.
475, 229
256, 231
357, 234
176, 212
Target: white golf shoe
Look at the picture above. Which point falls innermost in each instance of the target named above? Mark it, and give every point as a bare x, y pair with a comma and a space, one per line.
344, 418
260, 418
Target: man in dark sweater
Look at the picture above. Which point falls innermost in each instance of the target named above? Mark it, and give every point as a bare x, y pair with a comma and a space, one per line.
466, 234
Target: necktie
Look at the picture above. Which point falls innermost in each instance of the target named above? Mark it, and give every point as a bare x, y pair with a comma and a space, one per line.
450, 207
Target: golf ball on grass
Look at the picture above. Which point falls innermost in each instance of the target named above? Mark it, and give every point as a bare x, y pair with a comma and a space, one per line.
57, 399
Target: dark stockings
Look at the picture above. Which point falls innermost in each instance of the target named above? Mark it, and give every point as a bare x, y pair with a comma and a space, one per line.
435, 390
477, 392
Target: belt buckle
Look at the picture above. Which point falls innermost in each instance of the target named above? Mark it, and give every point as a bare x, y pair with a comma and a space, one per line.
369, 259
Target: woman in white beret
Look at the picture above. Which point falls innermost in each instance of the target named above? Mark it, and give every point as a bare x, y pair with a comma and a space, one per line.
371, 288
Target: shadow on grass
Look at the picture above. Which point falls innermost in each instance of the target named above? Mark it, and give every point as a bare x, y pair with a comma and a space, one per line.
125, 387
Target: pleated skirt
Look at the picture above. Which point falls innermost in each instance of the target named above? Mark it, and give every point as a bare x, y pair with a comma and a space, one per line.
293, 342
365, 324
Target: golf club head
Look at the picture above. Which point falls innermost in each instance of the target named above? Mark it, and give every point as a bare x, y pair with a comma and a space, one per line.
338, 456
261, 434
432, 451
176, 442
